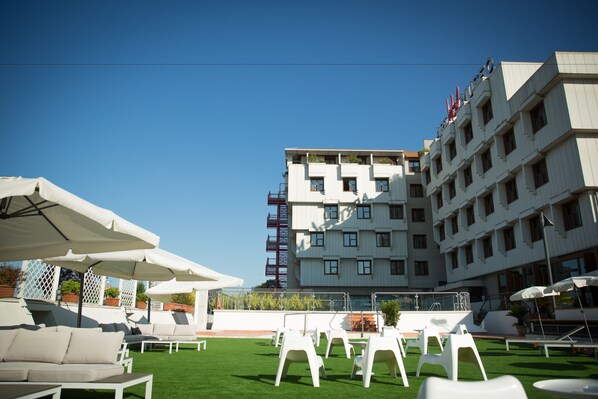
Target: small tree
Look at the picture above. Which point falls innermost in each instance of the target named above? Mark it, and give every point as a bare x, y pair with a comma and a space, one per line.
10, 275
70, 287
184, 299
520, 312
391, 311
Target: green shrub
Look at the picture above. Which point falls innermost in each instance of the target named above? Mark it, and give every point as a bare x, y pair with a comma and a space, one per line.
112, 292
391, 311
312, 158
385, 161
520, 312
187, 298
70, 287
10, 275
141, 297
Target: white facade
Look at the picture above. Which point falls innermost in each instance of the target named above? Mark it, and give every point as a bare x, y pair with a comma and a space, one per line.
523, 142
351, 226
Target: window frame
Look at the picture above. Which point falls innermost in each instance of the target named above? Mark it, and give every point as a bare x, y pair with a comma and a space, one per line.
467, 132
509, 142
540, 173
468, 249
487, 112
364, 267
488, 204
538, 117
396, 267
330, 212
349, 184
508, 235
394, 210
418, 211
421, 268
382, 185
329, 268
317, 181
467, 176
383, 239
487, 247
420, 241
350, 238
364, 212
486, 157
319, 239
412, 166
535, 228
511, 190
470, 215
571, 215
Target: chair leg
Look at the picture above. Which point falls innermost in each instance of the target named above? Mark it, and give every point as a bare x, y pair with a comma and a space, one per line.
282, 370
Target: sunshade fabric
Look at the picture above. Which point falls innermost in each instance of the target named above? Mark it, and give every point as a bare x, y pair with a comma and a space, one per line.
532, 293
149, 264
572, 283
163, 292
39, 219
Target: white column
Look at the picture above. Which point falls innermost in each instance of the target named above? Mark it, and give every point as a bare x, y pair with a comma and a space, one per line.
201, 310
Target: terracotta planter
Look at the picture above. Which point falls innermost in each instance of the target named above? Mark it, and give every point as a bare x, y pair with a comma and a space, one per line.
521, 330
111, 301
141, 305
69, 297
177, 307
7, 291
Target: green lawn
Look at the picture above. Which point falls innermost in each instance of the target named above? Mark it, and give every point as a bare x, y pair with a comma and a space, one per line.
246, 368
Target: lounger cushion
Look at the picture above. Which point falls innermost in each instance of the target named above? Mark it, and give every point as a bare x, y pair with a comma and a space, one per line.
17, 371
93, 348
6, 338
74, 372
146, 329
78, 330
165, 330
35, 346
184, 329
107, 327
48, 329
123, 327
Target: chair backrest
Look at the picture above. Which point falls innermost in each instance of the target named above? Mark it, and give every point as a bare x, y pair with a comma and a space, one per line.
502, 387
382, 347
337, 334
462, 345
297, 347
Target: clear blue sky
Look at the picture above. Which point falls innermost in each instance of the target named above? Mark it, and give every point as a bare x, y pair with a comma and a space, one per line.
175, 114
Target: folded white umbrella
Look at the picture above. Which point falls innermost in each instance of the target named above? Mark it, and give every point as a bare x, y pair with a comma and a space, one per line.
163, 292
534, 292
39, 220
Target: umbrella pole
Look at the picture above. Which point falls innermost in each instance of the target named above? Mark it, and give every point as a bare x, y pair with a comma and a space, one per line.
584, 315
539, 318
80, 310
149, 309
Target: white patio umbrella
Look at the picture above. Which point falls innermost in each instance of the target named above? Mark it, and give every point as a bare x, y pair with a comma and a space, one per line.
534, 292
39, 220
574, 283
150, 264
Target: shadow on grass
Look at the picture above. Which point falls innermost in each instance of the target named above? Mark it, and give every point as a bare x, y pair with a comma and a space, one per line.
269, 379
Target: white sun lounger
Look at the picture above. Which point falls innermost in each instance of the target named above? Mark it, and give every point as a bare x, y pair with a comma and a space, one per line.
563, 339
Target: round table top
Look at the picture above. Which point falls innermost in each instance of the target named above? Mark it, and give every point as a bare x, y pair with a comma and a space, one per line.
573, 388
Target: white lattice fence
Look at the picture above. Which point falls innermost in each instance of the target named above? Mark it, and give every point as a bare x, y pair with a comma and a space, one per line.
156, 305
41, 281
93, 289
128, 292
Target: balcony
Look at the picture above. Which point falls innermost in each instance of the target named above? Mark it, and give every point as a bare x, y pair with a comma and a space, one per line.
275, 221
272, 244
277, 198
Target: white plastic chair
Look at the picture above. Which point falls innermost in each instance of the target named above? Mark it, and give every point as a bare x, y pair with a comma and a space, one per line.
338, 338
429, 333
502, 387
459, 347
459, 329
380, 350
388, 331
288, 334
300, 349
278, 335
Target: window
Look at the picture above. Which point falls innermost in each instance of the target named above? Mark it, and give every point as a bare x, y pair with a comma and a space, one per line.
414, 165
454, 225
317, 184
416, 190
535, 228
438, 163
363, 212
421, 268
382, 185
396, 211
439, 202
364, 267
467, 132
538, 117
489, 204
441, 234
511, 187
349, 239
454, 259
331, 267
486, 160
428, 177
540, 173
571, 215
418, 215
487, 244
470, 215
451, 189
452, 150
467, 176
468, 254
509, 237
420, 241
317, 239
383, 239
397, 267
331, 212
508, 141
349, 184
487, 114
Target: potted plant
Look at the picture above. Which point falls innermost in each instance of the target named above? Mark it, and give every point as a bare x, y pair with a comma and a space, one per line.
70, 291
520, 312
141, 300
184, 302
9, 277
391, 311
111, 296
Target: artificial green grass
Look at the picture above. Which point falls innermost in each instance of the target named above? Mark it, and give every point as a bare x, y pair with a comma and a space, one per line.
246, 368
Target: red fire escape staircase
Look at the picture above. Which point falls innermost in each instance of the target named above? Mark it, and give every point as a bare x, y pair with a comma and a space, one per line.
278, 243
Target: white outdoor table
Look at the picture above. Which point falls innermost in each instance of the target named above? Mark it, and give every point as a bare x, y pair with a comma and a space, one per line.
159, 342
572, 388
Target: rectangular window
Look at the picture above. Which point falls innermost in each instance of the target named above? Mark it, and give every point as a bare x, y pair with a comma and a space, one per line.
489, 204
535, 228
452, 150
364, 267
571, 215
439, 202
331, 267
414, 165
397, 267
467, 132
454, 225
364, 212
383, 239
451, 189
509, 141
441, 234
428, 177
396, 211
487, 244
331, 212
317, 184
486, 160
538, 117
467, 176
509, 237
468, 254
421, 268
416, 190
470, 216
487, 113
511, 188
420, 241
454, 259
317, 239
382, 185
349, 184
418, 215
540, 172
438, 163
349, 239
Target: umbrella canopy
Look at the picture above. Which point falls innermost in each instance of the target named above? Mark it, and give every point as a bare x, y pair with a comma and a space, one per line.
163, 292
39, 220
148, 264
572, 283
532, 293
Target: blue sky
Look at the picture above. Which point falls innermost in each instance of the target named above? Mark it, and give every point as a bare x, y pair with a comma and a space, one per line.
175, 114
